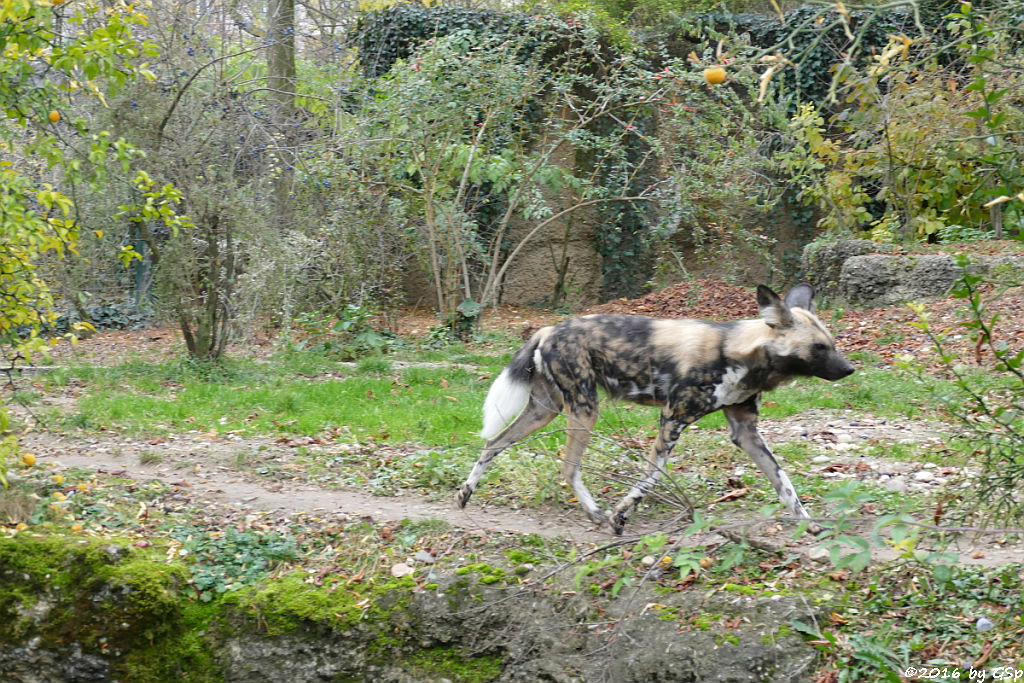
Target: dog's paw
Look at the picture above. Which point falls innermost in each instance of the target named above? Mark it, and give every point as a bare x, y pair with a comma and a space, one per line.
598, 516
617, 520
815, 529
462, 496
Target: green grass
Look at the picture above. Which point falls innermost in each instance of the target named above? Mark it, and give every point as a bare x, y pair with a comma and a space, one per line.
430, 406
305, 393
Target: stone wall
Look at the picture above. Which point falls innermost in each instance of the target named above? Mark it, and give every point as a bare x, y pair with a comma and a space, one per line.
870, 275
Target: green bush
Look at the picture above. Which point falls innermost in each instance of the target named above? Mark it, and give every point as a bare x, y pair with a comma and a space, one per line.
992, 419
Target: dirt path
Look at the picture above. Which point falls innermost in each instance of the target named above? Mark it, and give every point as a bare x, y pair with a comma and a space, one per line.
203, 468
207, 469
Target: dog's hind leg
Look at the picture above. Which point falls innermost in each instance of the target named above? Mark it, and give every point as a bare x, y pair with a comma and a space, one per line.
668, 433
581, 424
539, 411
743, 423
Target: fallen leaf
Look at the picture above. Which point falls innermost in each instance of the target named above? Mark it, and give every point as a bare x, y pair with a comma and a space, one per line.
735, 493
402, 569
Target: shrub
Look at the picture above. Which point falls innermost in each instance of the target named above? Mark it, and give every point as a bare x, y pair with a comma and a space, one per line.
990, 412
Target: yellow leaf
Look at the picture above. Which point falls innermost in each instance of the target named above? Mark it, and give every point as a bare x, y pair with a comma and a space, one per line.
766, 78
999, 200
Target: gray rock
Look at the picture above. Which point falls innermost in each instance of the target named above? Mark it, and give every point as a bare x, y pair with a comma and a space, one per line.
865, 274
68, 665
894, 484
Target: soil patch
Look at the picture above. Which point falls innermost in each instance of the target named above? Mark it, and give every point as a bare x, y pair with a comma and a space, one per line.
200, 470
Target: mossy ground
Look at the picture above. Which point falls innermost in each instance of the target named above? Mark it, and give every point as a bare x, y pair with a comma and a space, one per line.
141, 611
107, 598
448, 662
142, 616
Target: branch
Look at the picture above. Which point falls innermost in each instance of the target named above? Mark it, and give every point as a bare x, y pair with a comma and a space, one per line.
188, 83
543, 224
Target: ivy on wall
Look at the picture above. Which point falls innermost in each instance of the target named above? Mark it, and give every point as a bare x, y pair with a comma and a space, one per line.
384, 36
814, 40
623, 232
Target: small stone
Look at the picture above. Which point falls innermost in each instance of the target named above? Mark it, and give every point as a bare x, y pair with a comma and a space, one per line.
648, 560
924, 475
843, 437
984, 624
818, 553
424, 557
821, 459
894, 484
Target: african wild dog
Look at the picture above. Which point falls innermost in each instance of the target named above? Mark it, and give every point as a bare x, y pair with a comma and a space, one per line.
688, 367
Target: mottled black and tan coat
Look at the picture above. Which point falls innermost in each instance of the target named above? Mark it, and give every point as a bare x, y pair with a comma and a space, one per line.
688, 367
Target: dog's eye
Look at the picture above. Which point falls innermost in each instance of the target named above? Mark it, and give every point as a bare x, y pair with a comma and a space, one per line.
820, 346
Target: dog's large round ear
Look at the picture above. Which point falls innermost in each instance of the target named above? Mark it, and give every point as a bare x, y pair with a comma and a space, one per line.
801, 296
773, 308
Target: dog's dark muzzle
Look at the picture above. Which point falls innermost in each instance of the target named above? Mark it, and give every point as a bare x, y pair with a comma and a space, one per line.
836, 368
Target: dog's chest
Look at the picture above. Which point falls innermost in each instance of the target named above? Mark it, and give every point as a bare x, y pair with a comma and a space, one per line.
732, 387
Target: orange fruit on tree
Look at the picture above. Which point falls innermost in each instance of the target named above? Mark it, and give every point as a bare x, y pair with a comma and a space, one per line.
54, 116
714, 75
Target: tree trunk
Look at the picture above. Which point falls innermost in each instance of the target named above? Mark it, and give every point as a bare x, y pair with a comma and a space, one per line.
281, 96
204, 313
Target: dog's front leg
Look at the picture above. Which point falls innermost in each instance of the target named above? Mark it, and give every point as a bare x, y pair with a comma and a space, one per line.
743, 423
668, 434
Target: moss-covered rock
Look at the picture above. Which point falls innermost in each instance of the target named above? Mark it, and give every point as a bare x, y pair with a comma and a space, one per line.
90, 610
98, 610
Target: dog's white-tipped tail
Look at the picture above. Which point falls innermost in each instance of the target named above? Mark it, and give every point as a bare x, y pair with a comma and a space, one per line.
505, 400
